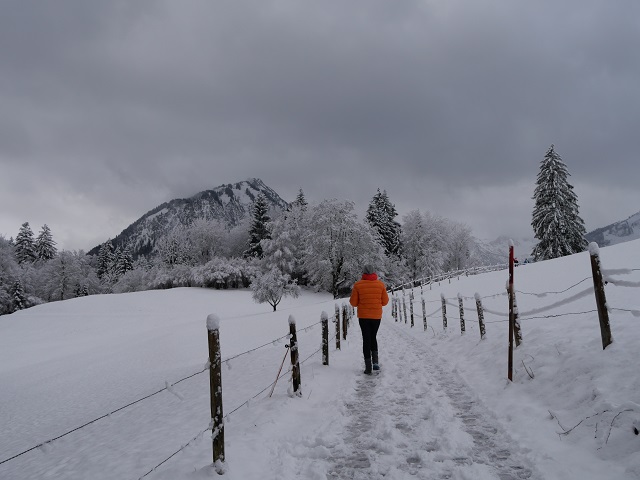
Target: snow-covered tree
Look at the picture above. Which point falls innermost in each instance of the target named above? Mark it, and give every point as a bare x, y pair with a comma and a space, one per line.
285, 249
423, 244
45, 246
60, 275
556, 222
459, 245
9, 273
19, 297
124, 261
338, 246
205, 240
258, 230
381, 215
105, 260
300, 201
272, 286
173, 249
25, 245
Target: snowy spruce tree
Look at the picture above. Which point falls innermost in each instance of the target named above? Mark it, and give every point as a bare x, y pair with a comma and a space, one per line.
301, 201
45, 247
556, 222
25, 245
19, 297
381, 215
258, 230
105, 260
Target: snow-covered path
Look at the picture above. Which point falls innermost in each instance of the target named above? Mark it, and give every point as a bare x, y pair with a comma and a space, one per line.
414, 420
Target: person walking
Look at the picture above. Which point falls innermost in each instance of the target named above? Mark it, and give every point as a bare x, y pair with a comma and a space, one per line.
369, 295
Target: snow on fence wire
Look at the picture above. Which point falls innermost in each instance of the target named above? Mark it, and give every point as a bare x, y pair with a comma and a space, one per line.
433, 279
217, 418
600, 277
169, 388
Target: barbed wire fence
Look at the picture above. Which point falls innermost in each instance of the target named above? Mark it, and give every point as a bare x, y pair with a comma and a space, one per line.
169, 387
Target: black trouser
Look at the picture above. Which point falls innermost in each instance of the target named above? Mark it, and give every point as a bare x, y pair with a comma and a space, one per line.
369, 329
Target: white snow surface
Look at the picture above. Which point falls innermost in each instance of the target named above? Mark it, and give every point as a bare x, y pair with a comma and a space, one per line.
440, 408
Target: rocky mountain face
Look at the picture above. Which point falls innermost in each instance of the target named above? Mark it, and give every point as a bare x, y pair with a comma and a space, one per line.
229, 204
619, 232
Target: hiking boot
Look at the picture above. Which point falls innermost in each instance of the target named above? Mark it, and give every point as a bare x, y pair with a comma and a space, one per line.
367, 366
374, 360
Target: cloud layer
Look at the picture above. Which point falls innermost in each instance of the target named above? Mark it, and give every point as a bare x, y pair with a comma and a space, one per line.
110, 108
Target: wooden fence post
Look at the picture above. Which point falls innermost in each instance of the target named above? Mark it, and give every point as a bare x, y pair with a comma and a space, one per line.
337, 322
411, 306
295, 364
511, 319
215, 385
601, 299
404, 306
393, 308
461, 310
480, 315
424, 313
324, 318
444, 311
344, 322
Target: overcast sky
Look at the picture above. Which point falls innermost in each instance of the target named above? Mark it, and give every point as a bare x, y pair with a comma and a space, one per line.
108, 109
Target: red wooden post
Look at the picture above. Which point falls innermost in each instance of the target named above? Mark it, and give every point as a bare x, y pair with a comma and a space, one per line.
511, 314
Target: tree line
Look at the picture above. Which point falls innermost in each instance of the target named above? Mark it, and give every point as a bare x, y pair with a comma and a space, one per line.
321, 246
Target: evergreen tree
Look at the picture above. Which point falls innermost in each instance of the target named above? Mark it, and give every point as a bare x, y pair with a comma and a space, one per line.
105, 260
301, 201
125, 261
19, 297
258, 230
45, 246
556, 222
381, 215
25, 246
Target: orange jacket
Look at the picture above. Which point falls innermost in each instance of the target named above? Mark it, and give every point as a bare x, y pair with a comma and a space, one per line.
369, 296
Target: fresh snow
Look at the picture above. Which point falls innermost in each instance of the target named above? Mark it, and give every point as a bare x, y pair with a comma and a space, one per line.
440, 408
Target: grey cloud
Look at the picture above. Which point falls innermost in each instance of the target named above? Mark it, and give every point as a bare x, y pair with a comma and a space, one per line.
339, 98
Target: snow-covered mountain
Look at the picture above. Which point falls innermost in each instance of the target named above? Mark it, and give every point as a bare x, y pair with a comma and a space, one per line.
622, 231
493, 252
228, 203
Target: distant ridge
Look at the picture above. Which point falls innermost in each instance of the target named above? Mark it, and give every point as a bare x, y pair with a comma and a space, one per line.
229, 203
619, 232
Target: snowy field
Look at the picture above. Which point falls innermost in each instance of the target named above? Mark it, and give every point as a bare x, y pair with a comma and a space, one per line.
441, 408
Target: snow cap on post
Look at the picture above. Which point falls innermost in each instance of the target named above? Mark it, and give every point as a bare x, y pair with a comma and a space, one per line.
213, 322
324, 316
477, 296
511, 243
292, 320
594, 249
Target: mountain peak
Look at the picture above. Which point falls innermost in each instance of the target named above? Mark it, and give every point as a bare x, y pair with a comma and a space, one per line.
228, 203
